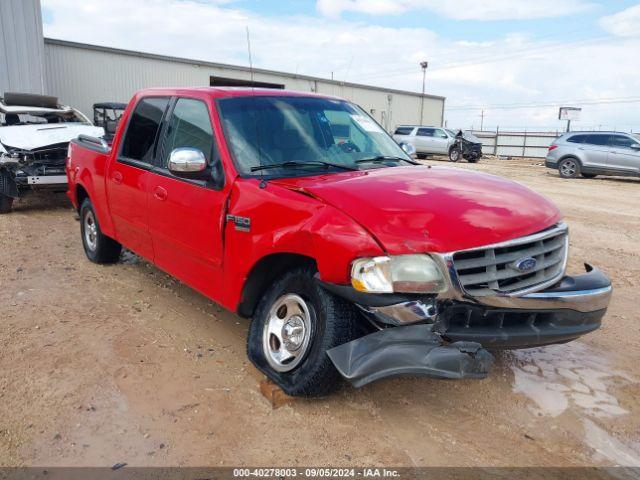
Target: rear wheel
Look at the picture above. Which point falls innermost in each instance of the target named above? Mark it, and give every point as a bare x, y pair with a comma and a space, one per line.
6, 203
569, 168
98, 247
454, 154
294, 325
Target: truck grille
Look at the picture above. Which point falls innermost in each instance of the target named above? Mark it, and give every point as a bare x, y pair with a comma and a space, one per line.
493, 270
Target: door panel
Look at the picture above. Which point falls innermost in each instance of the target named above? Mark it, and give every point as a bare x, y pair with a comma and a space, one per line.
186, 215
128, 178
440, 141
425, 140
127, 190
622, 157
594, 150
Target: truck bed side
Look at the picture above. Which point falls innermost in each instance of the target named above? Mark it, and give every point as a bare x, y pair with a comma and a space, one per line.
87, 170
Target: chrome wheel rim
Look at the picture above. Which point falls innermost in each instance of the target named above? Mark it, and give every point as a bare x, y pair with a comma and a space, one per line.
568, 168
90, 231
287, 333
455, 155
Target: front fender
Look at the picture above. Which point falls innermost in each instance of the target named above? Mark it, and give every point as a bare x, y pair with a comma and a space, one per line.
285, 221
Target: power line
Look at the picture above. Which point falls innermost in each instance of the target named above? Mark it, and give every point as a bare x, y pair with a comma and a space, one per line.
528, 105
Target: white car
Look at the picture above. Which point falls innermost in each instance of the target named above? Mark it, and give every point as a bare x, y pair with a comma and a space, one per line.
35, 132
426, 140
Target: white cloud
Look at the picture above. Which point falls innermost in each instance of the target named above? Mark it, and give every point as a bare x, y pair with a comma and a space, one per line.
459, 9
623, 24
526, 70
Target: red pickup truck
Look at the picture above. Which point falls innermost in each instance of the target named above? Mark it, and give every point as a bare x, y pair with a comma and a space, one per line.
300, 212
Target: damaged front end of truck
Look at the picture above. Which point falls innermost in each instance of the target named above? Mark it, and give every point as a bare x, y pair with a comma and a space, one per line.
513, 294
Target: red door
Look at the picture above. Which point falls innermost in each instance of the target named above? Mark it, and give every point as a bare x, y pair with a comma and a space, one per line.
186, 215
129, 176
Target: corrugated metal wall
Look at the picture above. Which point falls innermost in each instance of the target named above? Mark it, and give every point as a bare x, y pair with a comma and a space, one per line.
81, 75
21, 47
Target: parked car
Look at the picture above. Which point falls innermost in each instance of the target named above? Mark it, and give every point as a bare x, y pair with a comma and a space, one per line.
350, 258
439, 141
34, 135
589, 154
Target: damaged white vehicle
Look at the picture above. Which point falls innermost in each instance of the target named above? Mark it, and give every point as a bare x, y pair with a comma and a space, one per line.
35, 132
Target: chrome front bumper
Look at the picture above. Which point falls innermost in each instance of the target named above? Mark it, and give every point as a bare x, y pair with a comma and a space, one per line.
569, 309
572, 307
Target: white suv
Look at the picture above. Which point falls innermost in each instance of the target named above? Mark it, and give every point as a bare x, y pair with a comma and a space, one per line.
426, 140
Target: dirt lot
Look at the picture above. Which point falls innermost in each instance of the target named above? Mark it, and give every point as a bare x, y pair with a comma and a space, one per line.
123, 364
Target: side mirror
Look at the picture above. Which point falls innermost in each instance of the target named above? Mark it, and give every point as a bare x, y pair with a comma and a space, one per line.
408, 148
636, 146
187, 162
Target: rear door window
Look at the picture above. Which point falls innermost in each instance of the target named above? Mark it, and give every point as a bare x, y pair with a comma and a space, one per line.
426, 132
403, 131
142, 131
594, 139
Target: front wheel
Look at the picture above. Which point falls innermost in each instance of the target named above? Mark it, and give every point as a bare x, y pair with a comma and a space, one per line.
98, 247
454, 154
294, 325
6, 203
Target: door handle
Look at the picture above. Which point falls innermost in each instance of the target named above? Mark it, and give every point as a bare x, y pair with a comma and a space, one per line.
160, 193
116, 177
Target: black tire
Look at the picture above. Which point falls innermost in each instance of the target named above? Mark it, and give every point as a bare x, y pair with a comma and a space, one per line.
454, 154
6, 203
333, 321
472, 160
421, 156
98, 247
569, 168
589, 175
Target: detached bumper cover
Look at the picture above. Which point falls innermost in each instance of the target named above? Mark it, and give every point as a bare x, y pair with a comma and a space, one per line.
409, 350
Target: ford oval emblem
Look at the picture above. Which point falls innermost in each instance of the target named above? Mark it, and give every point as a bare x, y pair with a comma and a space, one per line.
525, 264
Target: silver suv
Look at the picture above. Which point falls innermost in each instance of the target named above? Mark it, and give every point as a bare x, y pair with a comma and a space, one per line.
426, 140
595, 153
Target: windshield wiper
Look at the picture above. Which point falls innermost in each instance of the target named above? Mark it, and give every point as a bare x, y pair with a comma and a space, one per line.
293, 163
385, 158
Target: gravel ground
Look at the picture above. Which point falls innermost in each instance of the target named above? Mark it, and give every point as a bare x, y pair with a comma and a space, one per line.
102, 365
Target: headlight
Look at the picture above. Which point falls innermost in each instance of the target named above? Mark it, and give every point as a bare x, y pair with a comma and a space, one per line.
401, 273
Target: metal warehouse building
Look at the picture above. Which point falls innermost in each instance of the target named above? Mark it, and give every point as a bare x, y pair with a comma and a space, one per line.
81, 75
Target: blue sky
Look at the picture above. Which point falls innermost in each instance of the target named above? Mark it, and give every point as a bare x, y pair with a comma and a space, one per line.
483, 54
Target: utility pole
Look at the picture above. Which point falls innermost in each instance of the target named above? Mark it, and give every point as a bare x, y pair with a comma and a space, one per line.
424, 66
481, 119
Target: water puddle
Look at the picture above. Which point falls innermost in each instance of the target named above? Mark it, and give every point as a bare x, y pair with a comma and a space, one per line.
558, 376
573, 375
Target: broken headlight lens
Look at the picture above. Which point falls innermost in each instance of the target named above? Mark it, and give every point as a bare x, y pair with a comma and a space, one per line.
397, 274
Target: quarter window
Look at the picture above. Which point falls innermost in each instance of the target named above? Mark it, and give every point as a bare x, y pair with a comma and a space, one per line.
189, 126
143, 129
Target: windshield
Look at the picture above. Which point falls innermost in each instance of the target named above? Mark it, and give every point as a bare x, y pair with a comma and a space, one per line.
40, 118
307, 133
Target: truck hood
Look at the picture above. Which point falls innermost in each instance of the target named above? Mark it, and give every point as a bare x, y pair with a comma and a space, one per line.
29, 137
432, 209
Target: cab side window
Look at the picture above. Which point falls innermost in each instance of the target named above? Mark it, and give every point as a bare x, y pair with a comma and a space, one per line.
189, 126
142, 131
